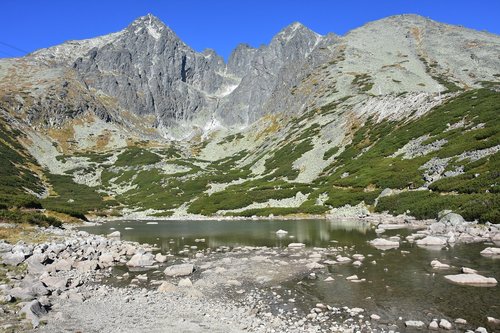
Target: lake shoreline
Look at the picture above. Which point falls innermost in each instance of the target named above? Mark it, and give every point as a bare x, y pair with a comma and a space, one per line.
231, 290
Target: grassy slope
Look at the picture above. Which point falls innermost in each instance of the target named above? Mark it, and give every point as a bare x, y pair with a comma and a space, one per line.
358, 174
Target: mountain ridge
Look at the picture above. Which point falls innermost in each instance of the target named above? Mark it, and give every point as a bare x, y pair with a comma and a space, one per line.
397, 115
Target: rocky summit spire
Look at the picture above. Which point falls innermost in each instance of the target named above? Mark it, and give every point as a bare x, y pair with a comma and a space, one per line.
153, 25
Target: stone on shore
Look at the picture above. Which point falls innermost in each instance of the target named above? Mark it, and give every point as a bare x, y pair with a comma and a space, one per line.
445, 324
33, 311
13, 259
167, 287
471, 280
434, 326
160, 258
296, 245
106, 259
179, 270
414, 324
185, 283
141, 260
452, 219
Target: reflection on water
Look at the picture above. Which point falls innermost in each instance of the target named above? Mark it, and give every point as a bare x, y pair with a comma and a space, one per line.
172, 236
400, 283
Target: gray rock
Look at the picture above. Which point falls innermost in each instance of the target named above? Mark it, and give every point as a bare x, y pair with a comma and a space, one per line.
491, 252
63, 264
5, 247
445, 324
431, 241
414, 324
384, 244
106, 259
166, 287
452, 219
471, 280
114, 234
141, 260
437, 228
86, 265
13, 259
185, 283
160, 258
33, 311
54, 282
296, 245
179, 270
436, 264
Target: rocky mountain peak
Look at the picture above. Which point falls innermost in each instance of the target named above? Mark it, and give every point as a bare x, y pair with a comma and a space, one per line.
296, 29
151, 24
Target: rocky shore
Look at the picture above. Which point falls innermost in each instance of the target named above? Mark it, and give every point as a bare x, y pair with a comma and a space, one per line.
76, 281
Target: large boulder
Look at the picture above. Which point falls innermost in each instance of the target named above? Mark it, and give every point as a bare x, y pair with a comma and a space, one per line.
55, 282
33, 311
179, 270
13, 259
471, 280
491, 252
141, 260
106, 259
452, 219
86, 265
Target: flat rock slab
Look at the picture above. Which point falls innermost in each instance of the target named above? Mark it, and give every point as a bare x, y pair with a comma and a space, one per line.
179, 270
296, 245
414, 323
384, 244
392, 226
471, 280
491, 252
431, 241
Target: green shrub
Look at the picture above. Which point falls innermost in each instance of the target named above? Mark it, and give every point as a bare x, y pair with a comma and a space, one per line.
17, 216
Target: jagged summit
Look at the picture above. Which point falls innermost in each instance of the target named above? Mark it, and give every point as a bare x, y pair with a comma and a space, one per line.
293, 30
153, 25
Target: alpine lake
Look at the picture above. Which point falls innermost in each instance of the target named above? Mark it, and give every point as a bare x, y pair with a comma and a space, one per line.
400, 283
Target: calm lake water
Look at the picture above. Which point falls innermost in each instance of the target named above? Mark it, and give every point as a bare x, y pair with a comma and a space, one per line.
399, 284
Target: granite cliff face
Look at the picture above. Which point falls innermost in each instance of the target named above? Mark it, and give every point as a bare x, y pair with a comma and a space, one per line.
145, 70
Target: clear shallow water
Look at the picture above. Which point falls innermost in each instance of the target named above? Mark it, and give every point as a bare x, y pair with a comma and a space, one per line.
399, 284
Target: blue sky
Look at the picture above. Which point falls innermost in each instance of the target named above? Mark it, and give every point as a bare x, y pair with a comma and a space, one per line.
27, 25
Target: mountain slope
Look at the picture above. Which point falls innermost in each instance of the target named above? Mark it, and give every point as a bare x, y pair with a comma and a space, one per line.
399, 115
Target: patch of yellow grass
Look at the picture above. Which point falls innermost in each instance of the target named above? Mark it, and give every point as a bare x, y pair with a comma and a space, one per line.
24, 232
273, 127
